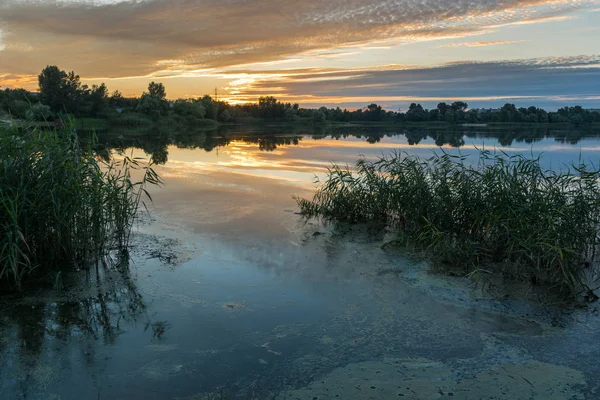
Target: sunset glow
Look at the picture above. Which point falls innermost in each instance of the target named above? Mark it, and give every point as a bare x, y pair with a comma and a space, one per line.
345, 53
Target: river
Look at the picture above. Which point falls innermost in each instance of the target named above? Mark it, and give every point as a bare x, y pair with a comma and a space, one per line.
230, 294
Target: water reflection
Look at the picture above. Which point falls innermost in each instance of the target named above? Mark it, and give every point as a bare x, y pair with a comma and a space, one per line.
156, 143
44, 332
264, 303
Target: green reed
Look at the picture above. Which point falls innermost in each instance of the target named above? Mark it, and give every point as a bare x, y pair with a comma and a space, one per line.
505, 212
61, 204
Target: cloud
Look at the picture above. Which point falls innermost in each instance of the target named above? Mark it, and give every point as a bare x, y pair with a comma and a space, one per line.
556, 78
133, 38
16, 80
482, 44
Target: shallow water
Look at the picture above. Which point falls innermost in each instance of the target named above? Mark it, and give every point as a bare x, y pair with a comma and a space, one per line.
230, 294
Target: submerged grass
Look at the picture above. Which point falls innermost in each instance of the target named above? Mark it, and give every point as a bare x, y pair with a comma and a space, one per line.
505, 212
61, 204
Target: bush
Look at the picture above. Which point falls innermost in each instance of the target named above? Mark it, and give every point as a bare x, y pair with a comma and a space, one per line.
318, 117
189, 108
61, 204
19, 108
39, 112
131, 119
506, 212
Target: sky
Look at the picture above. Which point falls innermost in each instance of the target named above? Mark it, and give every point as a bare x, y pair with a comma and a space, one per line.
346, 53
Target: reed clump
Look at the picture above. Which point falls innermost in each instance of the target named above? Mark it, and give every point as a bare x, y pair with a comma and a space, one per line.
505, 212
61, 204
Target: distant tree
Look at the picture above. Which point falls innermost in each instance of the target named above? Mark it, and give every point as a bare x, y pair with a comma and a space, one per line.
269, 107
471, 117
373, 112
318, 117
73, 92
434, 114
508, 113
97, 98
211, 107
442, 110
153, 102
290, 114
451, 116
151, 106
116, 100
459, 106
189, 108
225, 116
416, 113
157, 90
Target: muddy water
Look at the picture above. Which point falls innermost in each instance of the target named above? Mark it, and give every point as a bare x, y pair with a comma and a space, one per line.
230, 294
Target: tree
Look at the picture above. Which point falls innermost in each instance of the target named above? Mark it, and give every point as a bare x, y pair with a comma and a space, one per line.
151, 106
116, 99
290, 114
189, 108
508, 113
225, 116
318, 117
73, 92
211, 107
459, 106
269, 107
374, 112
62, 91
51, 82
157, 90
442, 110
416, 113
97, 99
153, 102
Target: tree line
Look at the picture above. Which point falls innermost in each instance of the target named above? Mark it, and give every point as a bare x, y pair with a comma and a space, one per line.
62, 94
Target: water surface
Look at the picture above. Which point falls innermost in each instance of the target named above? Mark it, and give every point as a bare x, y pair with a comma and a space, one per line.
231, 294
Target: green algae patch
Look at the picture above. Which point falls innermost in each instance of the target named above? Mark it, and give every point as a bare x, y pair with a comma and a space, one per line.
426, 379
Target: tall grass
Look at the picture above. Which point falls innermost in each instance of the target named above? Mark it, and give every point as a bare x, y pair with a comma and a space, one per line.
505, 212
61, 204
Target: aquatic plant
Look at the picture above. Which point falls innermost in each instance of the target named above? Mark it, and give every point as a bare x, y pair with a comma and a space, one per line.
505, 212
61, 204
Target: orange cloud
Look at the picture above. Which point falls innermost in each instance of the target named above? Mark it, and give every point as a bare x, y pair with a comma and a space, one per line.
18, 81
154, 37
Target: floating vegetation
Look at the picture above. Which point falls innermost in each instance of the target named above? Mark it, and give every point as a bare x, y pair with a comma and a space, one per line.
61, 204
158, 328
505, 212
233, 306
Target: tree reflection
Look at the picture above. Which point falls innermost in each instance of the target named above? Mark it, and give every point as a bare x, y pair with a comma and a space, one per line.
40, 326
156, 143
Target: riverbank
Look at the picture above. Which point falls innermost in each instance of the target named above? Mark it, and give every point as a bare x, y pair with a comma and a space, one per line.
140, 122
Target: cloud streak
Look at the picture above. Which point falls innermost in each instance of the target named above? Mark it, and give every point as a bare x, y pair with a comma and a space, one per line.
135, 38
481, 44
567, 79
